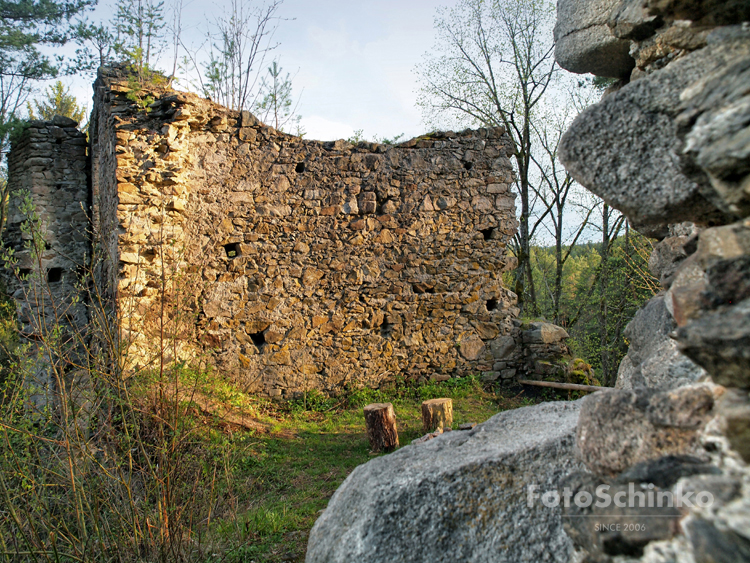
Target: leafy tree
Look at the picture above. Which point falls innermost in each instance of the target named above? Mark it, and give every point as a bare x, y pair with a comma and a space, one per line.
604, 284
139, 33
96, 46
57, 101
276, 103
26, 25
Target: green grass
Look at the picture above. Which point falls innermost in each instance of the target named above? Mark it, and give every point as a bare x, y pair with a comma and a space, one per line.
284, 477
191, 469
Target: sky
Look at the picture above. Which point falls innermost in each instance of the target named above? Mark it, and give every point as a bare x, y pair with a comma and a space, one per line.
352, 62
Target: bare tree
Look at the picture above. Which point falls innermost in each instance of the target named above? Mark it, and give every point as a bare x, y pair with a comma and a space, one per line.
140, 32
239, 52
493, 65
554, 191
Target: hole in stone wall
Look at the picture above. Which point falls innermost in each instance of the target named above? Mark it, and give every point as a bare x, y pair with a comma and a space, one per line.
59, 186
259, 339
24, 272
300, 168
386, 329
232, 249
54, 275
468, 165
487, 233
491, 304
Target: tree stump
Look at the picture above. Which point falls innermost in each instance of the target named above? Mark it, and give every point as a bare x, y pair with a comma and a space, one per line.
380, 422
437, 413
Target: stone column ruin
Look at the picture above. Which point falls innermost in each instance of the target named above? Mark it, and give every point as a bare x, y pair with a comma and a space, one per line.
51, 246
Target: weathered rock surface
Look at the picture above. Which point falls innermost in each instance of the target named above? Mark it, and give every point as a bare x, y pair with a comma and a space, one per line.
618, 429
674, 145
653, 359
627, 149
459, 497
720, 342
629, 19
625, 533
715, 124
734, 409
669, 254
701, 12
544, 333
584, 42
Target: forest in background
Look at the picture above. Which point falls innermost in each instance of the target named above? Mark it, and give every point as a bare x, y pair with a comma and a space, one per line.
603, 285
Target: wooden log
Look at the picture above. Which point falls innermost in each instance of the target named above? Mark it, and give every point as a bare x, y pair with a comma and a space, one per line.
568, 386
437, 413
380, 422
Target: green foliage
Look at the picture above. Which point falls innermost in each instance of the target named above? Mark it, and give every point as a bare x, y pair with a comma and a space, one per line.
600, 83
628, 286
57, 100
401, 390
9, 344
24, 28
275, 106
139, 33
95, 46
359, 137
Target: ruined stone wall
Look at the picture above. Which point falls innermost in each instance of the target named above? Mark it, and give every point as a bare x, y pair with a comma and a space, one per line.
291, 264
47, 231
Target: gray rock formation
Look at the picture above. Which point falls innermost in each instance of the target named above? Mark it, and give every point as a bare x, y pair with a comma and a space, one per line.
459, 497
702, 12
720, 342
674, 145
714, 124
631, 20
653, 359
584, 42
627, 149
669, 253
618, 429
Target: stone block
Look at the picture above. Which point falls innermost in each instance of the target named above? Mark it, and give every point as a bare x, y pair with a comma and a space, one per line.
620, 428
425, 502
584, 42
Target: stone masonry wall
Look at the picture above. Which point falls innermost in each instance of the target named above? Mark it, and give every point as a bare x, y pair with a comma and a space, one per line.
48, 164
290, 264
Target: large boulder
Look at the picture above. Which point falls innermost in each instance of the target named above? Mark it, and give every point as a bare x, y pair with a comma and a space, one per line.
460, 497
584, 42
715, 125
629, 150
631, 20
